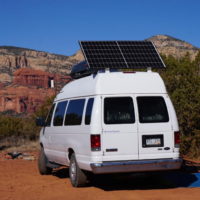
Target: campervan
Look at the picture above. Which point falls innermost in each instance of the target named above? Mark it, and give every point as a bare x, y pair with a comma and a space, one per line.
110, 121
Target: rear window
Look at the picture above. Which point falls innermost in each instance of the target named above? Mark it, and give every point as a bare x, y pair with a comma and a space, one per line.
59, 113
118, 110
74, 112
152, 110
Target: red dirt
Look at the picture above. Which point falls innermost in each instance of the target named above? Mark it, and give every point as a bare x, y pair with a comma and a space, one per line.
19, 179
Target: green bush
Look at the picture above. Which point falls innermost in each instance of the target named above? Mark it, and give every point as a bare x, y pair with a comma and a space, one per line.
182, 79
23, 126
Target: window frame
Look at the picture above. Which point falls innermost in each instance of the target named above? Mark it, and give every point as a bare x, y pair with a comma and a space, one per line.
120, 124
63, 112
65, 115
52, 110
166, 108
86, 106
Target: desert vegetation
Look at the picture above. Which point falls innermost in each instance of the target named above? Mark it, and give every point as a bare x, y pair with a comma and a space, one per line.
182, 79
20, 129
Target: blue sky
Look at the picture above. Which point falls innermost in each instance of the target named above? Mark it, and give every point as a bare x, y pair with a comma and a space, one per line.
57, 25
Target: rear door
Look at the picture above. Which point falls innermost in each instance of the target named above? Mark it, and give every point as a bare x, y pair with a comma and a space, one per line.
119, 128
154, 127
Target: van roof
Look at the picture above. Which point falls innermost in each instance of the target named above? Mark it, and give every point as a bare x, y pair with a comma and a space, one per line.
109, 83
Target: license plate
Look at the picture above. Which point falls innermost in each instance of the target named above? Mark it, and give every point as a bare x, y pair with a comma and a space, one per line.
153, 141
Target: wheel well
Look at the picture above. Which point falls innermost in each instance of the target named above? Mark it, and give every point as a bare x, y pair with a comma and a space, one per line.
70, 152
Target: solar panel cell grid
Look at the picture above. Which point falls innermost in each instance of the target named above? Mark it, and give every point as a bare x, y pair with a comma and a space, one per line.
121, 54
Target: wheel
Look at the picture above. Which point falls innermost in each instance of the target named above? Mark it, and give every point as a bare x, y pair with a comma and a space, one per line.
77, 176
42, 163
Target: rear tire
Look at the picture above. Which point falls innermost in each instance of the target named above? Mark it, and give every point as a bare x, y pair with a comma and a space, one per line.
77, 176
42, 163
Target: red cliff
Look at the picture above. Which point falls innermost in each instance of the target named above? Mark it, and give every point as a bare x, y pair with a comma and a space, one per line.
29, 90
23, 99
39, 78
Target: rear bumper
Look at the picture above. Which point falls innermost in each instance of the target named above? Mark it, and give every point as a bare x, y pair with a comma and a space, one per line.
136, 166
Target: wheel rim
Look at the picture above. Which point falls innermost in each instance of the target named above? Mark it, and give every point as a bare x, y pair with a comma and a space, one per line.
73, 170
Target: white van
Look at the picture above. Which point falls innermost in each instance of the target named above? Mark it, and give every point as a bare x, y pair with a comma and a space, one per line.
111, 122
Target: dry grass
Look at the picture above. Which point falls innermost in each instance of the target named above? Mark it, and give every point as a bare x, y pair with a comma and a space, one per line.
18, 144
29, 146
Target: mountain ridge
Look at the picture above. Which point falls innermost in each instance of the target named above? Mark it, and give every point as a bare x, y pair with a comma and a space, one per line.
152, 38
13, 58
15, 49
168, 45
172, 38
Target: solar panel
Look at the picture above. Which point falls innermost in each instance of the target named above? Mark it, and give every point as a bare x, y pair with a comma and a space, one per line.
121, 54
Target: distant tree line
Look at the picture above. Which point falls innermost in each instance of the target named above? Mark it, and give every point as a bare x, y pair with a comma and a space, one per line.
182, 79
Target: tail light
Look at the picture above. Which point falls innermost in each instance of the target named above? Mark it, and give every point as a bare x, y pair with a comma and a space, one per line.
95, 142
177, 139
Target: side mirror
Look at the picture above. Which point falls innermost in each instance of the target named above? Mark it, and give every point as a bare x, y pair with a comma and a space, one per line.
40, 121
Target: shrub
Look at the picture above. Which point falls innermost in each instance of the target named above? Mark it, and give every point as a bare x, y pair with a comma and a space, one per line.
22, 126
182, 79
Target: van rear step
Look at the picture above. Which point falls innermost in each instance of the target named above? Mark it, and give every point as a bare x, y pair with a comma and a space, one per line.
136, 166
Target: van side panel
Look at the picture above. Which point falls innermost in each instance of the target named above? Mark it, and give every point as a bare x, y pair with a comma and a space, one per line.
172, 113
84, 155
174, 123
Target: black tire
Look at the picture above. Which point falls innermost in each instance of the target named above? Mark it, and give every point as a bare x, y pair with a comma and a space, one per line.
77, 176
42, 163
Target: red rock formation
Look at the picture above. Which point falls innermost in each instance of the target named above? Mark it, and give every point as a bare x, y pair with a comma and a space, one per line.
23, 99
39, 78
29, 90
26, 76
1, 85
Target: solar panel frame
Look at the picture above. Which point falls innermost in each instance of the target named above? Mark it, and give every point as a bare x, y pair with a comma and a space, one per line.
121, 54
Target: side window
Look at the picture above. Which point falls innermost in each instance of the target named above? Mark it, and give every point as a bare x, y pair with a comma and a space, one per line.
152, 110
119, 110
49, 117
59, 113
74, 112
89, 111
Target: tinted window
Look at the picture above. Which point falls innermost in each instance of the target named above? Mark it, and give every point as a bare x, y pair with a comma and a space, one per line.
74, 112
59, 113
89, 111
152, 109
119, 110
48, 120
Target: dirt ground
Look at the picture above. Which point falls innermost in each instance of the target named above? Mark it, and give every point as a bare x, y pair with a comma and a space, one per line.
19, 179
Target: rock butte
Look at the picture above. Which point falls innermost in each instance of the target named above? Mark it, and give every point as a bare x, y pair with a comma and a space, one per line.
29, 90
